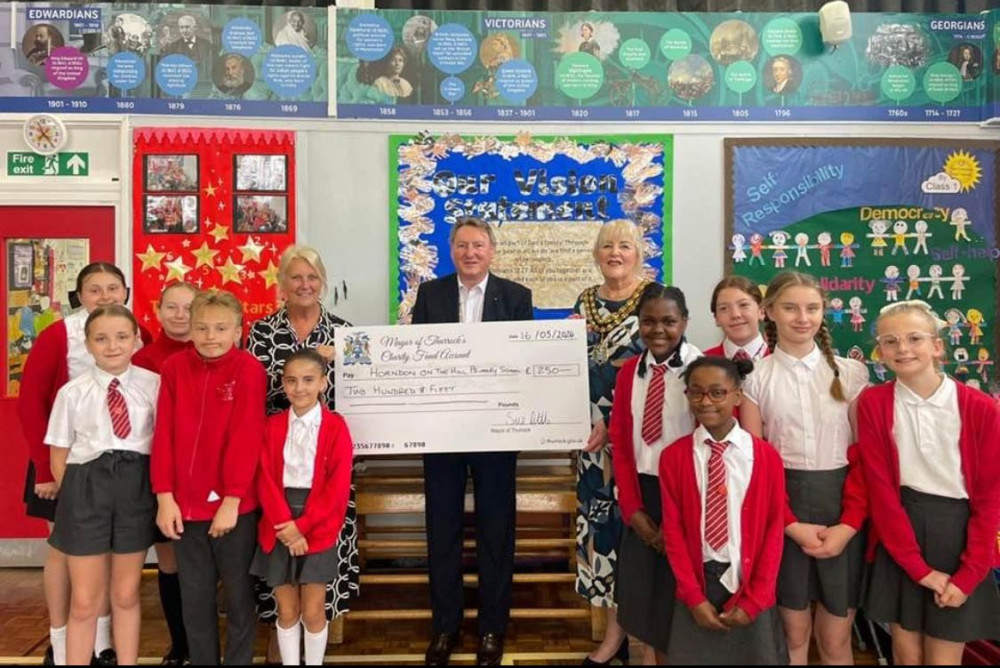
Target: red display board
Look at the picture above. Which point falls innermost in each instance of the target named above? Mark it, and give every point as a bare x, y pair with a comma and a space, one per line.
214, 208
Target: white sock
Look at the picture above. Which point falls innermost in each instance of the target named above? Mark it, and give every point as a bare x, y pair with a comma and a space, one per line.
316, 645
288, 644
58, 639
102, 640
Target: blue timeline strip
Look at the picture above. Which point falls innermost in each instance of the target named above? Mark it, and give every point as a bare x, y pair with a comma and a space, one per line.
713, 114
94, 105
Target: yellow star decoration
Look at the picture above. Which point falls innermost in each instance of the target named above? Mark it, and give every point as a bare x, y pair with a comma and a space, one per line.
176, 269
270, 275
151, 259
204, 255
251, 250
219, 232
230, 272
210, 190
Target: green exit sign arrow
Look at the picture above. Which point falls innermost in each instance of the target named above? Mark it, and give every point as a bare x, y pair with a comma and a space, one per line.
23, 163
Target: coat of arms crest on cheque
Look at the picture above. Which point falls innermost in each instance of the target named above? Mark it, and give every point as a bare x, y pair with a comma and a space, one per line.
356, 349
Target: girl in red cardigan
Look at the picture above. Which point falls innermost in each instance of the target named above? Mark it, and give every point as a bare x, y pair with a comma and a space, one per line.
649, 413
304, 484
736, 307
58, 356
723, 500
931, 459
174, 313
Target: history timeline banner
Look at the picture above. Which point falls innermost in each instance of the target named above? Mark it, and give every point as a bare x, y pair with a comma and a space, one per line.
644, 66
133, 57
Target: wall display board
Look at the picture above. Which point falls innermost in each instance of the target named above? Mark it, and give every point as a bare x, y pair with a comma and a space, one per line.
546, 197
665, 66
214, 208
135, 57
921, 226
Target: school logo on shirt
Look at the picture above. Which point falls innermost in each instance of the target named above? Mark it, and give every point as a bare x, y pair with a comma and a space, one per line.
356, 349
226, 391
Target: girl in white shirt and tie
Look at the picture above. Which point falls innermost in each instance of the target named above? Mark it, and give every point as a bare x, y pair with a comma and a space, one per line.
649, 413
100, 432
801, 399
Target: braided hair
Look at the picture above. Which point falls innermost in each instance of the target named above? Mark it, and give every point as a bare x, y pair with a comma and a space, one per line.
824, 340
670, 293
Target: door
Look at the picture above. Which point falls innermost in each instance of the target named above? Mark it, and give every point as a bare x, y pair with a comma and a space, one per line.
41, 249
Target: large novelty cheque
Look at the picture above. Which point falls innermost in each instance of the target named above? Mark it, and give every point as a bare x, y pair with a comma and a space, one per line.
461, 388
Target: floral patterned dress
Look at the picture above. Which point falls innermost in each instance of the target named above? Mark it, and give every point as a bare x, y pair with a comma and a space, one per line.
612, 338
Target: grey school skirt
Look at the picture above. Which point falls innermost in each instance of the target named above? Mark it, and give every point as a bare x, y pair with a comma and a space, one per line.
940, 525
816, 498
281, 568
645, 585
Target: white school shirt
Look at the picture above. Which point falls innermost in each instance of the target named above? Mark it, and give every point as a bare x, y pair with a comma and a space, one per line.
738, 458
471, 301
81, 421
810, 429
78, 359
300, 448
926, 432
677, 419
756, 349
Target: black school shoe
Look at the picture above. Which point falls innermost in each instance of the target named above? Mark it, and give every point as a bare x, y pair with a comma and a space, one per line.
105, 658
172, 659
49, 659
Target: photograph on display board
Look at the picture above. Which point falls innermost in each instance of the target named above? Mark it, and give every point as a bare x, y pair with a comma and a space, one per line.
260, 214
295, 28
171, 173
41, 274
233, 75
266, 173
923, 226
171, 214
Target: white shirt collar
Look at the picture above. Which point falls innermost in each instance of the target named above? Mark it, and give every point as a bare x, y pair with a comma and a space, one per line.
310, 419
480, 285
738, 437
752, 349
686, 356
941, 398
104, 378
810, 361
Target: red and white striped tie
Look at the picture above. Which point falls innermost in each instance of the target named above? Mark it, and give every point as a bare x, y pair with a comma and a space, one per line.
118, 410
741, 356
652, 411
716, 498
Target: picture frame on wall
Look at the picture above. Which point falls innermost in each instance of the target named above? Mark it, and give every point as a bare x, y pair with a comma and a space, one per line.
260, 173
171, 173
21, 260
260, 214
171, 214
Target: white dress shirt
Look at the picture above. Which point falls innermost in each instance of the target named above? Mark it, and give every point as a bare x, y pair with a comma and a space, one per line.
738, 459
810, 428
81, 421
926, 432
471, 301
300, 448
756, 349
677, 419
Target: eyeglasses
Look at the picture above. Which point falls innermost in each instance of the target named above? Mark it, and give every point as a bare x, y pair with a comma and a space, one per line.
912, 339
715, 395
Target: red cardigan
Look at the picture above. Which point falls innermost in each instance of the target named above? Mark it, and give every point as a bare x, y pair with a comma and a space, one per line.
208, 436
45, 372
153, 356
980, 452
326, 507
620, 434
762, 529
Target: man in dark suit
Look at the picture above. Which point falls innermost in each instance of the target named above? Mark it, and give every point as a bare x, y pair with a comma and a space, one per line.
472, 294
189, 44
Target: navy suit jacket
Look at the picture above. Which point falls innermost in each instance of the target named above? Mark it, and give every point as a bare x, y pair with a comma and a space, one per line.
437, 301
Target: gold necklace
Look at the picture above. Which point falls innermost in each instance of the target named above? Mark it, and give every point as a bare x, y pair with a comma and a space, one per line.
602, 324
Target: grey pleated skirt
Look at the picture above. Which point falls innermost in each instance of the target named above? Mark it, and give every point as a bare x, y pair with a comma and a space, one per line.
762, 643
816, 498
645, 585
940, 525
281, 568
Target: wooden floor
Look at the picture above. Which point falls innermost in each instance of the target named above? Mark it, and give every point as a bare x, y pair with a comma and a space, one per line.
24, 628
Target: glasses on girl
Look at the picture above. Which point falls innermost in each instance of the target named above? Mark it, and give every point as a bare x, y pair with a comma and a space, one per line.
912, 339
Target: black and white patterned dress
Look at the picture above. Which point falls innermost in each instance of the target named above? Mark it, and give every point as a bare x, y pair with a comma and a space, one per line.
272, 340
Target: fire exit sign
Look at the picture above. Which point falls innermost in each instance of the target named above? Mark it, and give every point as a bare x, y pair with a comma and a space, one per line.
23, 163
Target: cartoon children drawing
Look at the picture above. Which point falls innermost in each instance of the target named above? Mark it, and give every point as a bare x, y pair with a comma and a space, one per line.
825, 243
847, 247
837, 311
913, 274
779, 244
857, 319
935, 272
982, 362
878, 237
954, 319
802, 254
739, 248
899, 229
921, 233
756, 249
961, 356
958, 279
960, 221
975, 319
892, 282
